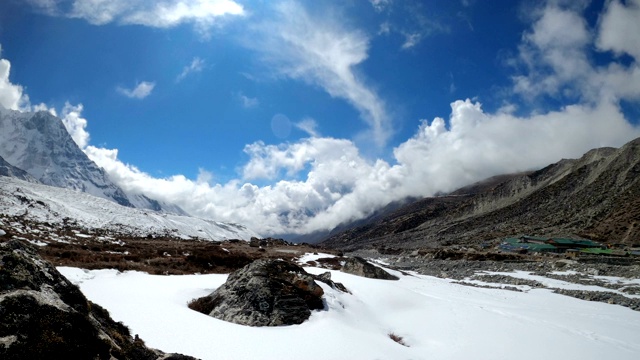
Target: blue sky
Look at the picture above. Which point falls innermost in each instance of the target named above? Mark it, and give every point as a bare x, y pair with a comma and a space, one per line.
293, 116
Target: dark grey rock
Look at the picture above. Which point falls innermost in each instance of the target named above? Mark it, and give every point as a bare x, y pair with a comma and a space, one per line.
361, 267
264, 293
44, 316
326, 278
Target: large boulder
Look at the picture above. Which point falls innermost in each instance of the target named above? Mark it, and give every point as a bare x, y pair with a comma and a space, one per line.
264, 293
44, 316
361, 267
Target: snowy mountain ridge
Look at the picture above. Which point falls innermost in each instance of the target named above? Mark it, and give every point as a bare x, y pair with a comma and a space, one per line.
39, 144
59, 207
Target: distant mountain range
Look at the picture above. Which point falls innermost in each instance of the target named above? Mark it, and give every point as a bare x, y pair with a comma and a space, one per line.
595, 197
46, 177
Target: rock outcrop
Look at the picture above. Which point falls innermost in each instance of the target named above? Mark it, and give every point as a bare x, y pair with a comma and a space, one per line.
361, 267
264, 293
44, 316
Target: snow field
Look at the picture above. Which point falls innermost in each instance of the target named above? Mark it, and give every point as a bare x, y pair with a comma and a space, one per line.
436, 318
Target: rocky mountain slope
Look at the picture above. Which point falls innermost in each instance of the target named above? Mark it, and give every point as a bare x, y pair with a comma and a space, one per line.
39, 144
596, 196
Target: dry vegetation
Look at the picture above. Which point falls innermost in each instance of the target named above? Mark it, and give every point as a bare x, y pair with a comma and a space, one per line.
76, 247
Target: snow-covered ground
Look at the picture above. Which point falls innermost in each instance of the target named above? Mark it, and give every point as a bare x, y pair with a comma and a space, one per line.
47, 204
437, 319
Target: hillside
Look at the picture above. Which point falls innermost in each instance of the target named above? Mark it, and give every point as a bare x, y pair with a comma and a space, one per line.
596, 196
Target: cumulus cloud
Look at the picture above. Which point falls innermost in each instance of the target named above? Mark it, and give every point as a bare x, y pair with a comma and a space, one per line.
327, 181
196, 66
619, 28
76, 125
11, 95
322, 51
554, 54
141, 91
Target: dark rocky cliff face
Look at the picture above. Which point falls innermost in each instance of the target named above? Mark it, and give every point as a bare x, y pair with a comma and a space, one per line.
44, 316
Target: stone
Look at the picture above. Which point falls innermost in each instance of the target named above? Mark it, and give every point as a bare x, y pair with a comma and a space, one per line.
361, 267
266, 292
44, 316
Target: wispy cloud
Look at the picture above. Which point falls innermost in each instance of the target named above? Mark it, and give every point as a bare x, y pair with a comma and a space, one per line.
308, 125
411, 40
159, 14
141, 91
320, 50
380, 5
196, 66
248, 102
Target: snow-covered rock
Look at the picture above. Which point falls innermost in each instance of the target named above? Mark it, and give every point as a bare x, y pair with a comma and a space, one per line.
264, 293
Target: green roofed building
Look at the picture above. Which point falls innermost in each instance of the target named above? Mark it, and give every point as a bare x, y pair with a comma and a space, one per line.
526, 244
563, 243
518, 245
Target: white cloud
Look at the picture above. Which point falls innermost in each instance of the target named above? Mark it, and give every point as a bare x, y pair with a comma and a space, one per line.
322, 51
248, 102
380, 5
158, 14
11, 95
141, 91
555, 55
328, 181
411, 40
196, 66
619, 28
74, 122
308, 125
49, 7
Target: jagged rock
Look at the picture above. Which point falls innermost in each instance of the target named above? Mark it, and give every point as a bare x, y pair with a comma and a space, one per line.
361, 267
44, 316
326, 278
264, 293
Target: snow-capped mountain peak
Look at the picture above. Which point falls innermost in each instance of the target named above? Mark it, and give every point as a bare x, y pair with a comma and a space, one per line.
38, 143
